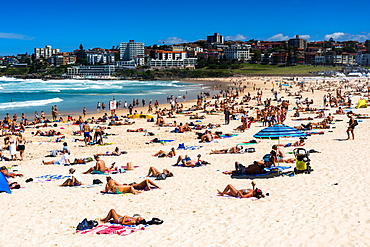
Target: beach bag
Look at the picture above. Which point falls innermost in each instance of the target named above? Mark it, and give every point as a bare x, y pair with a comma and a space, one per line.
161, 176
355, 123
97, 181
87, 224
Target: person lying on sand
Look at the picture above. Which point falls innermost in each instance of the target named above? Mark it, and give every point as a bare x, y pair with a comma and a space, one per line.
99, 167
48, 133
278, 156
162, 153
76, 179
137, 130
299, 143
2, 157
115, 187
124, 220
153, 172
232, 150
243, 193
116, 152
187, 161
64, 160
8, 174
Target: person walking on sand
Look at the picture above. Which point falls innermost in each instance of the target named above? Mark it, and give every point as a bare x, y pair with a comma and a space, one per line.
84, 111
351, 127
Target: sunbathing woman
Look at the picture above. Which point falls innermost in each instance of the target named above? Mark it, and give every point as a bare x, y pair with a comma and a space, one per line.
153, 172
244, 193
118, 188
162, 153
124, 220
232, 150
48, 133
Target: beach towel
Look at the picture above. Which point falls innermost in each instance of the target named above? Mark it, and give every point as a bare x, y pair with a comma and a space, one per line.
188, 147
181, 165
113, 229
228, 136
48, 178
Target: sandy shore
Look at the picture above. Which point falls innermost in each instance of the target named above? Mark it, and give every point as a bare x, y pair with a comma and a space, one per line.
329, 207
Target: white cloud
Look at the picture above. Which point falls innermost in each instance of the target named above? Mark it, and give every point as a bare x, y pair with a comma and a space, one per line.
172, 40
305, 36
281, 37
14, 36
340, 36
237, 37
278, 37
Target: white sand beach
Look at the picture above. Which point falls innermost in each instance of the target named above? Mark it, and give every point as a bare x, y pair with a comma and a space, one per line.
329, 207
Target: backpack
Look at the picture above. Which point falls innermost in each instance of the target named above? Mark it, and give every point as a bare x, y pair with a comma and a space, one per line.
86, 224
355, 123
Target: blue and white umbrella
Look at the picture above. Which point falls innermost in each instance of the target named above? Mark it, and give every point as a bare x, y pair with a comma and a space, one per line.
279, 130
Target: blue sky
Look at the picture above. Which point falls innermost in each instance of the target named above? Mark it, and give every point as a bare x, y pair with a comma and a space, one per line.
67, 24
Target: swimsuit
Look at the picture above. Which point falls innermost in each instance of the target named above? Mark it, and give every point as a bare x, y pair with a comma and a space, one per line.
86, 134
97, 172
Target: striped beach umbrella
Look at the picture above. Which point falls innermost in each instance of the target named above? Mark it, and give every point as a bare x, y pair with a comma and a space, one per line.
279, 130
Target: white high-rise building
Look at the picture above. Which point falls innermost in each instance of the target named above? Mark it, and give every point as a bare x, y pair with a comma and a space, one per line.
130, 50
45, 52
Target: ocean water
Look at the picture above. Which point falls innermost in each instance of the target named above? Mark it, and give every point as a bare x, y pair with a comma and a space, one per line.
30, 95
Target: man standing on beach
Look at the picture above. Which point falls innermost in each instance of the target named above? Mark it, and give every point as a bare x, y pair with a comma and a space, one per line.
351, 127
130, 109
227, 115
86, 129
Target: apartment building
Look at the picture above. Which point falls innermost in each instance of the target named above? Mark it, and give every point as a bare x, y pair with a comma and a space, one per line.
238, 52
298, 42
130, 50
363, 59
100, 58
46, 52
61, 59
215, 38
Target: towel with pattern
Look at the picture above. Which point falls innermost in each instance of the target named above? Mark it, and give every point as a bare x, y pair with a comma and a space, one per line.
113, 229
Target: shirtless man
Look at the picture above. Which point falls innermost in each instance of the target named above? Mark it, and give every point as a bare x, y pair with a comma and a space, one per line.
99, 168
187, 161
86, 129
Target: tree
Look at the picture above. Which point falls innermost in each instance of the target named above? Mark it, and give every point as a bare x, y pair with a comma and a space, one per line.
349, 49
367, 43
81, 47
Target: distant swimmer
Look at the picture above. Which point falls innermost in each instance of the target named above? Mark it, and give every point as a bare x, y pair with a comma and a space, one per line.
141, 91
11, 100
